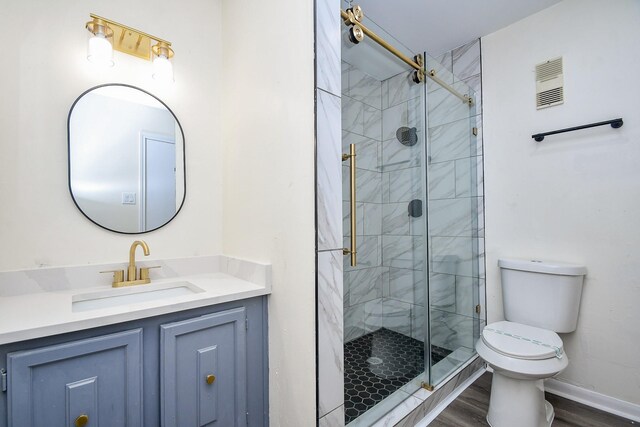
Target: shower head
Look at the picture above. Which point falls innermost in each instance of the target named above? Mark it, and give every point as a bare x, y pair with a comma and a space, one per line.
407, 136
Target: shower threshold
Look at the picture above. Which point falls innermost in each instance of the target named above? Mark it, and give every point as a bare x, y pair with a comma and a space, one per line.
378, 364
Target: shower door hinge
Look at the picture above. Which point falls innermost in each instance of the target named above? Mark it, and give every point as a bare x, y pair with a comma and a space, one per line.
474, 131
426, 386
478, 309
3, 374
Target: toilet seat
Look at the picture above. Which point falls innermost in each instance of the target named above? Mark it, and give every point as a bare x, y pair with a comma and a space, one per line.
520, 351
522, 341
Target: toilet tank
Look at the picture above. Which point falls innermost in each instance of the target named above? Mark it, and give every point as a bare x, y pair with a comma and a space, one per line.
542, 294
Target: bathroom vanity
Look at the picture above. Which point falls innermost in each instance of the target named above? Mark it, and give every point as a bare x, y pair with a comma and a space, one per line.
157, 355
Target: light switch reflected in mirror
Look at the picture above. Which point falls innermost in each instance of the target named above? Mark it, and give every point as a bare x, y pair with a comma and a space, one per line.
126, 159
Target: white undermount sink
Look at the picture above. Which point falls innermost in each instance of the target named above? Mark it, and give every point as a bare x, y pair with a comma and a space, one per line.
131, 295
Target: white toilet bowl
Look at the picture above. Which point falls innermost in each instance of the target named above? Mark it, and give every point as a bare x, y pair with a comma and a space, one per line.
521, 356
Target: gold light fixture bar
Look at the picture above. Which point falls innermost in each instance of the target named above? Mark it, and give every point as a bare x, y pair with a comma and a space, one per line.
129, 40
353, 17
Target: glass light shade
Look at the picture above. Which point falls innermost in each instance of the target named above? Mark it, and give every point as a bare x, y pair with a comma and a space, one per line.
162, 69
100, 51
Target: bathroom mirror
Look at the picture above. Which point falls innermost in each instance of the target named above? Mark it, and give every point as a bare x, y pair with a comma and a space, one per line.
126, 159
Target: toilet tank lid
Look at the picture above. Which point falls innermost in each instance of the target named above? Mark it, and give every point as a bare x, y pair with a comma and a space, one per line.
549, 267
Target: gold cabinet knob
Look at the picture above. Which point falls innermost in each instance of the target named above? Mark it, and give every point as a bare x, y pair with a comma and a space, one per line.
210, 379
82, 420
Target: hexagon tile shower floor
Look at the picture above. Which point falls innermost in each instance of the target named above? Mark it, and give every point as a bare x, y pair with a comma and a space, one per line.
378, 364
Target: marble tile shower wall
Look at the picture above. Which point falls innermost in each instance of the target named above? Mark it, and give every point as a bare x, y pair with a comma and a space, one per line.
386, 289
362, 126
329, 279
456, 200
403, 236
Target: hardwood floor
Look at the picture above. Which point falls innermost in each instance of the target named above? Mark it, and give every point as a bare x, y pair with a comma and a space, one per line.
470, 410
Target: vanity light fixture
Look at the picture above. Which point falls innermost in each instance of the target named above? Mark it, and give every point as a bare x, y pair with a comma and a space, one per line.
99, 50
162, 68
130, 41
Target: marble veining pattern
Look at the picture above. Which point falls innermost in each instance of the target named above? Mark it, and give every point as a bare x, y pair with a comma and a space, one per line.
405, 185
398, 89
345, 67
442, 180
444, 107
329, 203
372, 125
451, 141
368, 248
444, 61
395, 219
452, 217
397, 156
367, 150
373, 315
393, 118
442, 291
451, 330
465, 295
459, 248
372, 219
396, 316
328, 46
365, 88
333, 114
466, 60
334, 418
407, 285
368, 185
353, 322
365, 284
403, 252
330, 331
352, 115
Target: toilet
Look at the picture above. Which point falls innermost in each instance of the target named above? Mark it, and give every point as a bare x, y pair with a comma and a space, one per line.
539, 299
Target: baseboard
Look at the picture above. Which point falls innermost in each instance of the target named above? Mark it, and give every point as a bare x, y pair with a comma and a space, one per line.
449, 399
591, 398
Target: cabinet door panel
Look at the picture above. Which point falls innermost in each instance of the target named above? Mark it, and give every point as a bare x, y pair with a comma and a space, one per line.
82, 399
98, 377
191, 351
207, 402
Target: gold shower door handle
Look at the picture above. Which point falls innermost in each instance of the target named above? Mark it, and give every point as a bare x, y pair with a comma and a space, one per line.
352, 190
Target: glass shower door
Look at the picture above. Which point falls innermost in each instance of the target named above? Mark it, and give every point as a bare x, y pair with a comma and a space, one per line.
383, 115
454, 234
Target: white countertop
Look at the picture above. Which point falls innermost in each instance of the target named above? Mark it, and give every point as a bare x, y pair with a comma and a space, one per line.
50, 312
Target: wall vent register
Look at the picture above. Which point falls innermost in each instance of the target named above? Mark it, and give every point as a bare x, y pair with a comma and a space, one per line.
549, 83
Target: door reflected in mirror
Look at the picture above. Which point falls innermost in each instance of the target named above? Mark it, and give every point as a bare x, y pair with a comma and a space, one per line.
126, 159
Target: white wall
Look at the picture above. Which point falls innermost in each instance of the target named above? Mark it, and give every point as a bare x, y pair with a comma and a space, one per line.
269, 180
573, 197
44, 69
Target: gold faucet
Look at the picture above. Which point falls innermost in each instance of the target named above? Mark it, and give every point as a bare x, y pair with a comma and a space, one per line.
131, 270
133, 278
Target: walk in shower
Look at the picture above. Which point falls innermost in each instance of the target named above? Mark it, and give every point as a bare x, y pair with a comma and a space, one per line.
411, 299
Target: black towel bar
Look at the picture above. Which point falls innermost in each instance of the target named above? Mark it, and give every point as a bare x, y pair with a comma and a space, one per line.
615, 123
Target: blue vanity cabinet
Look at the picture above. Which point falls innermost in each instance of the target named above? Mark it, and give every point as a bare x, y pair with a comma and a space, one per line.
203, 365
89, 382
148, 372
